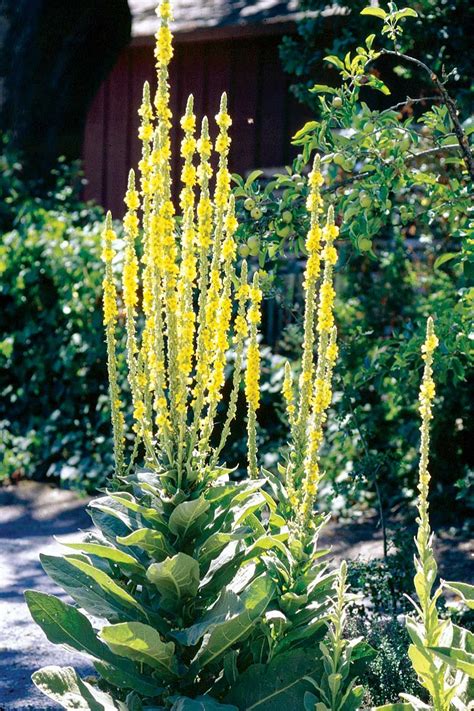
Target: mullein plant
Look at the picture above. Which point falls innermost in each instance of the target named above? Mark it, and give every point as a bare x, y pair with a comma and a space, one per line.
199, 592
441, 653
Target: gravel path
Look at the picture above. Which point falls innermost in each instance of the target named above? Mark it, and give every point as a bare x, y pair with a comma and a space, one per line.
31, 514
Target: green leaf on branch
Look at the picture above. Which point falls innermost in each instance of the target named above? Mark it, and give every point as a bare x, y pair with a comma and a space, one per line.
64, 624
464, 590
111, 554
187, 516
456, 658
323, 88
375, 12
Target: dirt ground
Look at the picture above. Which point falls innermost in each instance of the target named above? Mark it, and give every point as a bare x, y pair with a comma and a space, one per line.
31, 514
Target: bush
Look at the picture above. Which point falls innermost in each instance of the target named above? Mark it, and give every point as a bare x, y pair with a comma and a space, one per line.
53, 406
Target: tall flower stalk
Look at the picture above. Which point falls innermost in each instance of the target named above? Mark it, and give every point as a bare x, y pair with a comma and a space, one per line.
307, 413
426, 629
184, 303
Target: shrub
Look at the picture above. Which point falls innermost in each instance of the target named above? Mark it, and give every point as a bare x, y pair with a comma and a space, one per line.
53, 405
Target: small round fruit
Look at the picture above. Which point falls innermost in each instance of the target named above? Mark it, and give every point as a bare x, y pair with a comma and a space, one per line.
287, 216
283, 231
249, 204
256, 213
253, 242
365, 244
243, 251
364, 199
337, 102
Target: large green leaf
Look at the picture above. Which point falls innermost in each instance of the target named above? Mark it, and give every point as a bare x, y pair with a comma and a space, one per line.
64, 685
134, 640
200, 703
176, 578
92, 589
278, 686
464, 590
111, 554
111, 522
255, 600
188, 516
149, 540
457, 658
147, 513
125, 675
66, 625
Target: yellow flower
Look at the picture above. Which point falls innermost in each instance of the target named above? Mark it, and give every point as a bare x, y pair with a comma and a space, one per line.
252, 376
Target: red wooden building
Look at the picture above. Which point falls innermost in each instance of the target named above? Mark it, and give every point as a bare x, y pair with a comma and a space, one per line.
220, 45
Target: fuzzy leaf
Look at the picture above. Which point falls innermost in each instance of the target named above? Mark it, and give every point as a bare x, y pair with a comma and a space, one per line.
187, 516
281, 684
464, 590
64, 685
149, 540
112, 554
64, 624
227, 607
457, 658
175, 578
142, 643
92, 589
255, 600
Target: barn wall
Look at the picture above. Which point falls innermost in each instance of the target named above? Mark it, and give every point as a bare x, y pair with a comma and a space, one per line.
265, 115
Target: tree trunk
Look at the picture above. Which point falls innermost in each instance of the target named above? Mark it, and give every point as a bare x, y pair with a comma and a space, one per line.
54, 56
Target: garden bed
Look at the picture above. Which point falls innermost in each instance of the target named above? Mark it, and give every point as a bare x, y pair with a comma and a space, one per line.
31, 514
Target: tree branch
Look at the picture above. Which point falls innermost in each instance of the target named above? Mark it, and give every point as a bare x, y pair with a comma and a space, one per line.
449, 103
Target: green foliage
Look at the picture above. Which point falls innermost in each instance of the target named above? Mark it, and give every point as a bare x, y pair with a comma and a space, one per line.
53, 393
204, 601
389, 672
402, 198
437, 33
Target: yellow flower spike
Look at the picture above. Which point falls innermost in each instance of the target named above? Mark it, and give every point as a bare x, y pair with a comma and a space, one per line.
426, 398
130, 298
313, 246
222, 189
252, 375
110, 318
322, 387
288, 394
218, 327
434, 674
240, 334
